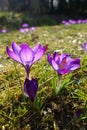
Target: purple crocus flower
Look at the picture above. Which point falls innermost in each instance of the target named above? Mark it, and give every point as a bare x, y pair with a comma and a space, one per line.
25, 25
24, 30
30, 88
63, 63
84, 46
4, 30
63, 22
66, 23
79, 21
72, 21
25, 55
32, 28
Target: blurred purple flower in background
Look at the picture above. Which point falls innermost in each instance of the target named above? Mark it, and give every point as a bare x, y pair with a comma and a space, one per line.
4, 31
25, 25
71, 21
65, 22
30, 88
63, 63
84, 46
25, 28
79, 21
32, 28
22, 30
25, 55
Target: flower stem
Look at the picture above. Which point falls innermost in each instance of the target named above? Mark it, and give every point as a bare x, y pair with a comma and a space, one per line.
59, 83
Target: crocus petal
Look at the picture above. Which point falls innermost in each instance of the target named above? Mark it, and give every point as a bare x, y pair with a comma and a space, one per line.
63, 71
84, 46
75, 64
30, 88
12, 55
63, 56
56, 57
24, 45
54, 65
16, 48
26, 55
36, 48
39, 54
52, 62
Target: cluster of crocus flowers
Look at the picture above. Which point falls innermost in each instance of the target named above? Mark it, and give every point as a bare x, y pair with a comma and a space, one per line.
71, 21
25, 28
27, 56
84, 46
63, 64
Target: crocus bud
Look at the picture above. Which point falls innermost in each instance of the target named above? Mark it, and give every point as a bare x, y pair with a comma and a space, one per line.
30, 88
